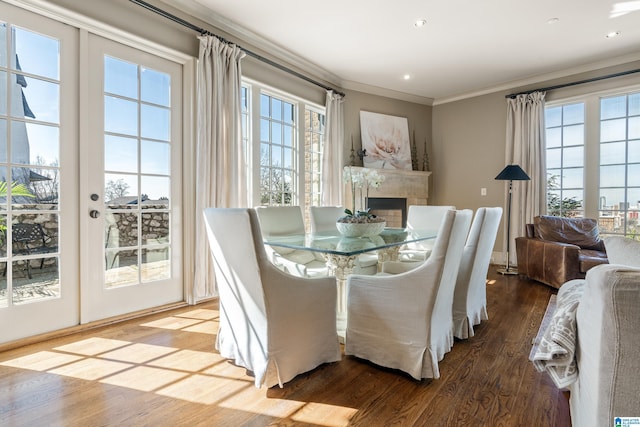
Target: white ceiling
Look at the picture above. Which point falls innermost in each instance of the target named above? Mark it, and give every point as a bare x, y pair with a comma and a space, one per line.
467, 46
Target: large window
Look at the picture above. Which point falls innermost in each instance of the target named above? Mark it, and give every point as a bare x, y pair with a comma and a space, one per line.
620, 164
565, 136
593, 160
284, 137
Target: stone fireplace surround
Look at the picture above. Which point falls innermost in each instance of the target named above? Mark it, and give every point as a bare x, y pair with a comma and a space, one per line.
412, 186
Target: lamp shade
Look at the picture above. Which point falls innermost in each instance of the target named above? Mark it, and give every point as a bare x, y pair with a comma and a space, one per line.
512, 173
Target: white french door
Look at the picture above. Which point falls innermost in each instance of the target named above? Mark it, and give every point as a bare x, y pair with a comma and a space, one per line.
90, 177
39, 289
132, 195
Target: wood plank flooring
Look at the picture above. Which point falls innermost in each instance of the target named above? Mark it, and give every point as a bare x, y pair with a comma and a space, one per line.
162, 370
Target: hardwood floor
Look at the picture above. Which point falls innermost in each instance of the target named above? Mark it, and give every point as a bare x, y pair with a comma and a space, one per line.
162, 370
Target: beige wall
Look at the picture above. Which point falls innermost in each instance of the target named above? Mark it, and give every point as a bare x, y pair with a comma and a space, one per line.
418, 117
469, 141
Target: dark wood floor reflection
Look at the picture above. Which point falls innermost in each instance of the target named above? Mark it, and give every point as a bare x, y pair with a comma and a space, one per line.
162, 370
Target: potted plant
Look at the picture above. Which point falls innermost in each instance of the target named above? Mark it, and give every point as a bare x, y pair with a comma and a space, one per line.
361, 222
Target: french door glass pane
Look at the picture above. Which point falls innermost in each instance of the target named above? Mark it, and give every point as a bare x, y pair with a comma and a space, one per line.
137, 155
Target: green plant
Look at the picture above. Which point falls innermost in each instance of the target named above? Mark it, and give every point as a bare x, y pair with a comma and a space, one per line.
17, 189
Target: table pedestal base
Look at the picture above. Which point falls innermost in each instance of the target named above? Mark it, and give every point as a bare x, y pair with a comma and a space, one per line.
341, 266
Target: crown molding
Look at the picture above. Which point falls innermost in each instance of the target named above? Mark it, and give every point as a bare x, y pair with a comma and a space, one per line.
251, 40
375, 90
510, 86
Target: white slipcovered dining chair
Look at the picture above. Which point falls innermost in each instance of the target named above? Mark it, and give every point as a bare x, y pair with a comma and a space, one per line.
422, 217
323, 218
404, 321
271, 323
287, 220
470, 297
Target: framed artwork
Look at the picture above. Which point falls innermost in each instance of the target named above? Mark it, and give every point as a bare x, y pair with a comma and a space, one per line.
386, 141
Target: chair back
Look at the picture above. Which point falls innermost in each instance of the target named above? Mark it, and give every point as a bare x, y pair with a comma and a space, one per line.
470, 297
280, 220
237, 270
323, 218
452, 253
426, 217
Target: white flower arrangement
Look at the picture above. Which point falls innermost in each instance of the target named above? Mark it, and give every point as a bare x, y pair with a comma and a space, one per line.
363, 180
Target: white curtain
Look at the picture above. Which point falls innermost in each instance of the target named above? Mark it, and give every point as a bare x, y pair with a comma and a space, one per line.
220, 158
526, 147
332, 151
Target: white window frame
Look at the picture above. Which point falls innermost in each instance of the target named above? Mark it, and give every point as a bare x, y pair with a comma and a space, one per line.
254, 91
591, 202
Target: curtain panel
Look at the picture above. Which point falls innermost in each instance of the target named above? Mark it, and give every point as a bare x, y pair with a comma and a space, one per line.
220, 164
526, 147
332, 150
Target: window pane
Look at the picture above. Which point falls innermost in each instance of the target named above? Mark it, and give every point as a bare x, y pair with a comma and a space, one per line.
265, 102
288, 158
611, 197
288, 112
633, 178
120, 116
612, 176
554, 137
3, 44
613, 130
120, 189
276, 155
553, 116
41, 100
155, 87
3, 140
634, 104
155, 187
288, 136
276, 133
276, 109
612, 152
120, 154
264, 130
554, 159
154, 122
3, 93
36, 54
120, 77
34, 144
634, 151
573, 135
573, 157
572, 178
573, 113
613, 107
634, 127
155, 158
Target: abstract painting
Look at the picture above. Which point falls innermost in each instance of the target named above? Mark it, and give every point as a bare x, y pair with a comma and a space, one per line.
386, 141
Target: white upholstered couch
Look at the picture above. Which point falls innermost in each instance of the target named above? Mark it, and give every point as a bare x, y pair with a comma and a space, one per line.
607, 348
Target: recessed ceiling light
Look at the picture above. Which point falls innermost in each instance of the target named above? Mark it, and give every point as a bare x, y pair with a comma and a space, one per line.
552, 20
613, 34
420, 23
406, 77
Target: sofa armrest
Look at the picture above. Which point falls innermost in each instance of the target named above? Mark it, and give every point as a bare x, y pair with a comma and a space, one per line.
552, 263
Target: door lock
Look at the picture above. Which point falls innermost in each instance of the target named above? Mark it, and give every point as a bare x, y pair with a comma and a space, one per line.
94, 213
94, 197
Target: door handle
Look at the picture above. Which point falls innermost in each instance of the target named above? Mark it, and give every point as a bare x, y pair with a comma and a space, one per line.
94, 213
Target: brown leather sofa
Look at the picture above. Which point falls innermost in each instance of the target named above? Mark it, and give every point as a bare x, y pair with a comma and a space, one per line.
556, 250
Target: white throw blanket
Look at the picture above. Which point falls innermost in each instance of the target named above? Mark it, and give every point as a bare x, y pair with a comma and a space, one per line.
555, 353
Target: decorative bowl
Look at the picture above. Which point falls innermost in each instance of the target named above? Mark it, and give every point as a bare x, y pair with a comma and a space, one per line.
360, 229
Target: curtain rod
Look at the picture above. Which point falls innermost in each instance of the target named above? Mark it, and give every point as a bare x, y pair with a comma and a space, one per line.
560, 86
202, 31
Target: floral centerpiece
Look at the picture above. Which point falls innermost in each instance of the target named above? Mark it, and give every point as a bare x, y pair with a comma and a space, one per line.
360, 182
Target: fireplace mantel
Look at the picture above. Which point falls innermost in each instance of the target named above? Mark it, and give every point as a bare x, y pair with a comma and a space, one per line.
409, 184
412, 186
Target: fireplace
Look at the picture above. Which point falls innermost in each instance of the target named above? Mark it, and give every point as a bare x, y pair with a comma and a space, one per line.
393, 209
401, 189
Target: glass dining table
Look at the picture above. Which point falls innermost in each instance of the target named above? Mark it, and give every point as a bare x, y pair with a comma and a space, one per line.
340, 253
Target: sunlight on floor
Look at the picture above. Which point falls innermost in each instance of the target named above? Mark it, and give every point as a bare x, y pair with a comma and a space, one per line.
194, 376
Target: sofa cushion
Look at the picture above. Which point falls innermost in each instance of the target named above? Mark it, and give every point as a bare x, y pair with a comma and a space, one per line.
582, 232
623, 250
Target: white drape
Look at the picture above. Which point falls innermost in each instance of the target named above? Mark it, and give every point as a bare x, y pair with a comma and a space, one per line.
220, 158
332, 151
526, 147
